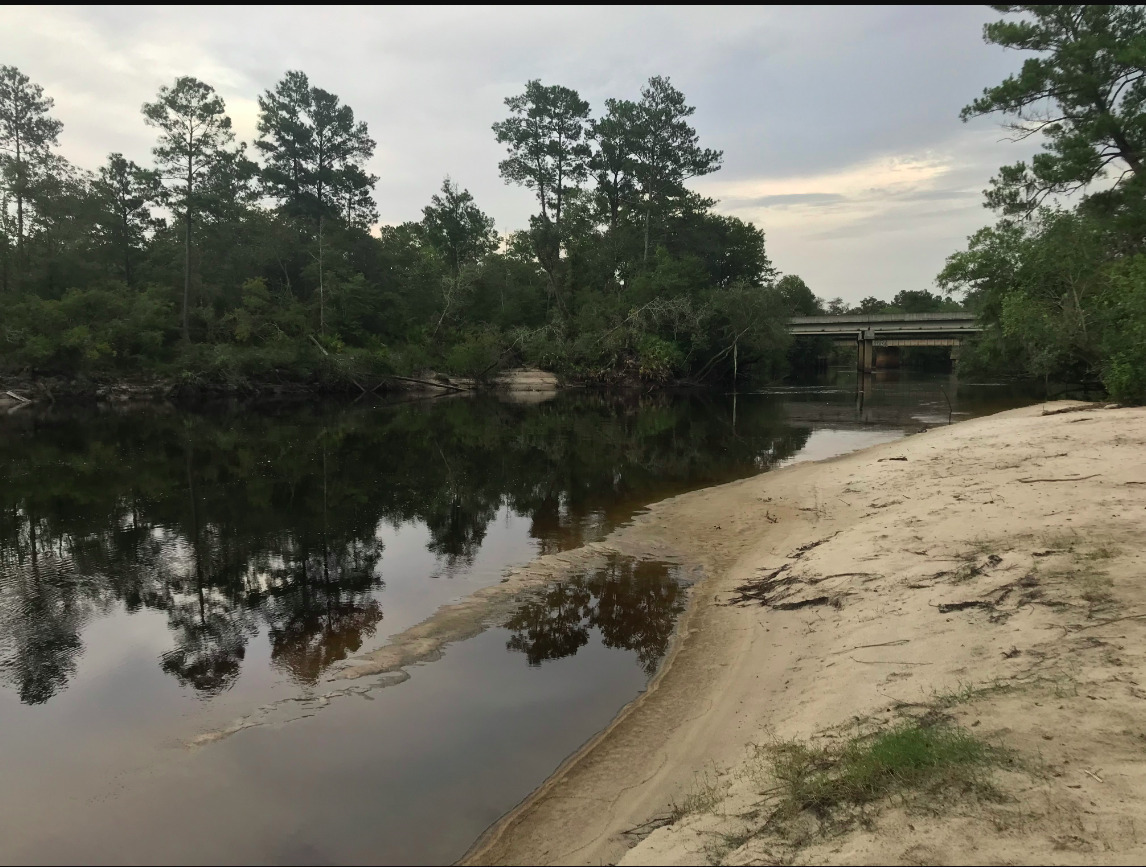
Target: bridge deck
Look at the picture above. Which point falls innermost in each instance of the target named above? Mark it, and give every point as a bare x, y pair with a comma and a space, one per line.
880, 324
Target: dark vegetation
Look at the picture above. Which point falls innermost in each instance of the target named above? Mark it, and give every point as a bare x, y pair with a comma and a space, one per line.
1062, 290
223, 264
219, 263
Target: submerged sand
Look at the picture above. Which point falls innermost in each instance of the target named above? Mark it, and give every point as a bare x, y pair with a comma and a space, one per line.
1004, 551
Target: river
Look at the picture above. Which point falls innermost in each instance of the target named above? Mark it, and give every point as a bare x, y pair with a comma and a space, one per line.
164, 572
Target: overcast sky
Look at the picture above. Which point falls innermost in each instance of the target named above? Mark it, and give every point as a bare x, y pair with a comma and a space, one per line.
839, 126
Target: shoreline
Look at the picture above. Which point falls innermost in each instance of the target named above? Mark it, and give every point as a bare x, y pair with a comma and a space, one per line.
727, 683
17, 392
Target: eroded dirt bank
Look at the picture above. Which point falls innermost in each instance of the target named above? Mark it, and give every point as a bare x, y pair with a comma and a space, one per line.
989, 573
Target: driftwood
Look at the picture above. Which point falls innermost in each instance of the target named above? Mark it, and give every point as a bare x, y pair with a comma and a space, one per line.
322, 349
430, 383
1064, 409
1070, 479
17, 397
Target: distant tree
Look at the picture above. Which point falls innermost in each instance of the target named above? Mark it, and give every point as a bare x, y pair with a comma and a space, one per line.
870, 304
26, 134
285, 137
457, 228
918, 301
125, 192
339, 143
460, 232
612, 163
356, 194
193, 134
314, 152
1085, 92
798, 298
836, 307
748, 324
545, 137
666, 150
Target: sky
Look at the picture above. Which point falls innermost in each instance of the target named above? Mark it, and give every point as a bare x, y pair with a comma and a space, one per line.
839, 126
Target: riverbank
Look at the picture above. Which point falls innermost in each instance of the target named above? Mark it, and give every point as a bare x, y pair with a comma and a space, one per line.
983, 578
19, 391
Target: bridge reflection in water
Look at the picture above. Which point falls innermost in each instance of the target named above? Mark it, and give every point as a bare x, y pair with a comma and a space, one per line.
894, 398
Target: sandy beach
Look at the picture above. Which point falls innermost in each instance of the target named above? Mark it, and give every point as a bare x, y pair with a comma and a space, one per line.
987, 575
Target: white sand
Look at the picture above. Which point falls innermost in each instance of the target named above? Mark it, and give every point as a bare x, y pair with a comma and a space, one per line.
1057, 567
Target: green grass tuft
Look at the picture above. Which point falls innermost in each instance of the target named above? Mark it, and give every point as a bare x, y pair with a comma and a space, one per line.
911, 756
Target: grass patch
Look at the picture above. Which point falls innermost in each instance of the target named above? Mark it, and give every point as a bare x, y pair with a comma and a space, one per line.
703, 797
968, 692
912, 756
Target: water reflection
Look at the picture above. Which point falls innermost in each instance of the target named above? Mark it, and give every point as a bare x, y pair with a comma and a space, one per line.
40, 621
245, 526
634, 604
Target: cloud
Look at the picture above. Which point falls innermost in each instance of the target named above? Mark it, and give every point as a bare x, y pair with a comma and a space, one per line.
839, 126
784, 200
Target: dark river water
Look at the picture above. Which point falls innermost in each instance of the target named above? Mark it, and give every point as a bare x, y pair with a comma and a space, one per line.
163, 573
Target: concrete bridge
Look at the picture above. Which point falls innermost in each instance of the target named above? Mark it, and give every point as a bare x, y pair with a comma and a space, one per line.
871, 330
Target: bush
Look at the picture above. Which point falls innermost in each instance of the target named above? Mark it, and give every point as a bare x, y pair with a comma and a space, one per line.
658, 360
1124, 332
477, 354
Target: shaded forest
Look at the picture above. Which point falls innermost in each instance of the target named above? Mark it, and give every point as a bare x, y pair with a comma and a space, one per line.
227, 262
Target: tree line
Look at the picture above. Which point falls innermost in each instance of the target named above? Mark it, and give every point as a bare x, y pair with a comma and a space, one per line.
1060, 279
219, 262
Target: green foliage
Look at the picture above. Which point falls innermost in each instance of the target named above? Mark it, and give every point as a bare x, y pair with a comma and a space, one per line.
476, 354
1060, 291
798, 298
315, 151
1055, 303
1084, 91
269, 273
545, 139
88, 330
912, 755
1123, 314
456, 228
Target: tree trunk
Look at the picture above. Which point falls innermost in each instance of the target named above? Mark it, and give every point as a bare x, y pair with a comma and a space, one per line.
126, 248
321, 287
646, 259
187, 239
187, 273
19, 200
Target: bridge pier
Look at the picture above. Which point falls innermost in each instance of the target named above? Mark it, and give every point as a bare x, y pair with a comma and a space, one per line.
865, 351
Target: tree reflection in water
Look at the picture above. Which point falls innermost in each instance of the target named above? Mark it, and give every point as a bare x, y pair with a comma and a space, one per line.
634, 604
242, 523
321, 609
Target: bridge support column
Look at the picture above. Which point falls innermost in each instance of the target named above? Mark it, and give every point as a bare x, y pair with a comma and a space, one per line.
865, 347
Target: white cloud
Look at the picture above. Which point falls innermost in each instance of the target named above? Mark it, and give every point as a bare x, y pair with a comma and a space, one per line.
839, 126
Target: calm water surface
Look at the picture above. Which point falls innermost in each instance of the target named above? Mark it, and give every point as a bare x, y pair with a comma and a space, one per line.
164, 572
